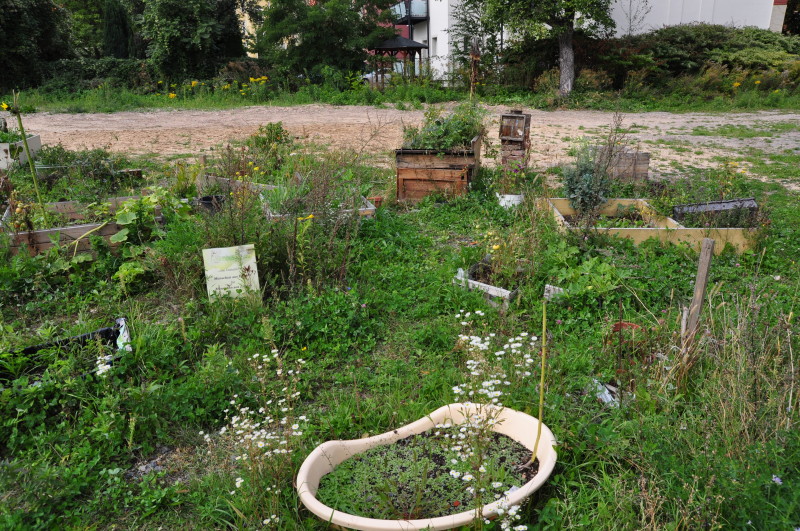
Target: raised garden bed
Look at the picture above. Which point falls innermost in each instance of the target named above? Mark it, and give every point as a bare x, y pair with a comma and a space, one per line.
730, 213
659, 227
9, 148
422, 172
41, 240
475, 279
365, 208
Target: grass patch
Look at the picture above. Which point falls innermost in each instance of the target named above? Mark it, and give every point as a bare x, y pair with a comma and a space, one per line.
370, 310
743, 131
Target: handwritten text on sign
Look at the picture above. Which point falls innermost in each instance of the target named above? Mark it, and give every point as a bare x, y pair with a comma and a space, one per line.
231, 271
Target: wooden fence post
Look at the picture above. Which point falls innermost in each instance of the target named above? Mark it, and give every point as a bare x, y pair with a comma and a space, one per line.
700, 285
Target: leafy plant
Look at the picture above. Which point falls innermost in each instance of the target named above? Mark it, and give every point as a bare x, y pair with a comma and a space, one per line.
446, 132
586, 182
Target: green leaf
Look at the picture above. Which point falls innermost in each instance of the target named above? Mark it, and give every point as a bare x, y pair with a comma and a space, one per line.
119, 237
126, 218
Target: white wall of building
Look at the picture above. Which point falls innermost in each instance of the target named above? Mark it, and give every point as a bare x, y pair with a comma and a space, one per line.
673, 12
440, 20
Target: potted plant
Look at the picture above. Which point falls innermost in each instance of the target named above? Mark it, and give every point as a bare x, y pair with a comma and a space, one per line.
442, 156
509, 184
451, 489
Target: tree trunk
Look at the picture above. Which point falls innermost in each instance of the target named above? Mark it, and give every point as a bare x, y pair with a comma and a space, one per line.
566, 60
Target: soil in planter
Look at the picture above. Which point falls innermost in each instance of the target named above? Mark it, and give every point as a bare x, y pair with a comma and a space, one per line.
414, 478
630, 220
502, 277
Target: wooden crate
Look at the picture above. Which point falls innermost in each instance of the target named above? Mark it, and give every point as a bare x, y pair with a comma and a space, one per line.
421, 172
515, 127
630, 166
627, 164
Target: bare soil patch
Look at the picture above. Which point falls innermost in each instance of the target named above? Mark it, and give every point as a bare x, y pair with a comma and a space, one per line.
378, 131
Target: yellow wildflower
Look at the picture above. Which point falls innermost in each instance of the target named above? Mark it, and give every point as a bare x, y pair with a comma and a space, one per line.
172, 95
758, 81
4, 106
495, 247
737, 84
252, 79
194, 83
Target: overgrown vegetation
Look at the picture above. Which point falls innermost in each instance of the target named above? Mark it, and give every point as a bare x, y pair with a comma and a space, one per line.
453, 131
353, 334
690, 67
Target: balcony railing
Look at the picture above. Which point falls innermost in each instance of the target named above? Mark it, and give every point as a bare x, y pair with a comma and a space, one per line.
419, 9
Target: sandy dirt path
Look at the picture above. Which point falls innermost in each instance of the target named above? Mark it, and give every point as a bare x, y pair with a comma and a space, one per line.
379, 130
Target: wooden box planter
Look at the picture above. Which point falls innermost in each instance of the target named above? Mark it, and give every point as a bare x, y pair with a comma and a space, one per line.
739, 209
495, 296
628, 165
366, 209
421, 172
38, 241
662, 228
6, 160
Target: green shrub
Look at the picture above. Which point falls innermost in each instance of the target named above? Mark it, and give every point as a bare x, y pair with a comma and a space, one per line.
453, 131
586, 181
32, 32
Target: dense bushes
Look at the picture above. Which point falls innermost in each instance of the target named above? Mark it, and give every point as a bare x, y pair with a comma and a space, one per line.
32, 33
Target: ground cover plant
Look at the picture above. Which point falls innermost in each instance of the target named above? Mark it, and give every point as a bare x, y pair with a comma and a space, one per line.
208, 418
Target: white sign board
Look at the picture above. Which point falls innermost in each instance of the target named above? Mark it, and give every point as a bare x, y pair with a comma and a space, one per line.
231, 271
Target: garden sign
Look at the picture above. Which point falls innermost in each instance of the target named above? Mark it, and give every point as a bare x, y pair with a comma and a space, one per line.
231, 271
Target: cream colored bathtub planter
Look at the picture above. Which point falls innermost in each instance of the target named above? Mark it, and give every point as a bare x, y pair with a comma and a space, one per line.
325, 457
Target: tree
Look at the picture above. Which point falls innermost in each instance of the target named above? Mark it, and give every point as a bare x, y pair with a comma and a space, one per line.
189, 37
791, 24
32, 33
86, 17
472, 19
634, 14
116, 30
301, 37
556, 18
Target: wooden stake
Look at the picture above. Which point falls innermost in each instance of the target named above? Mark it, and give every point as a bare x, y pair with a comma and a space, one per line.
700, 285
